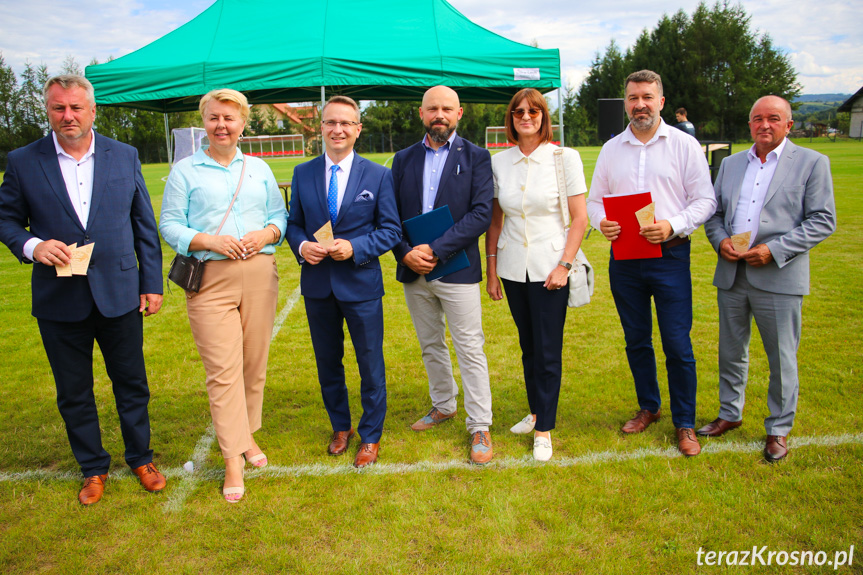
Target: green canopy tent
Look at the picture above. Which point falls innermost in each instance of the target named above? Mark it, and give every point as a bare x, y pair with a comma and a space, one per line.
275, 52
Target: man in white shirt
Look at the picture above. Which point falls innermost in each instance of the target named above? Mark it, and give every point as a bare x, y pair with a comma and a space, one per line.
76, 188
782, 196
649, 156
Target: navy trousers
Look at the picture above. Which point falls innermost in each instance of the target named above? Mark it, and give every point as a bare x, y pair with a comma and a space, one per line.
539, 315
365, 321
69, 346
667, 280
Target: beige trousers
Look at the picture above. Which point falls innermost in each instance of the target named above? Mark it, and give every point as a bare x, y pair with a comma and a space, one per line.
232, 323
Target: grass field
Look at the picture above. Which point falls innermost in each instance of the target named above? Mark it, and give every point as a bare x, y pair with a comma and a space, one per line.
604, 504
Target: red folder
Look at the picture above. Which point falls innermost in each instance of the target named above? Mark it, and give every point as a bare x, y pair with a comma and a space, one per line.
629, 245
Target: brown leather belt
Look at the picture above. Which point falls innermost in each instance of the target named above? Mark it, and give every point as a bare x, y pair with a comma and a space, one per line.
674, 242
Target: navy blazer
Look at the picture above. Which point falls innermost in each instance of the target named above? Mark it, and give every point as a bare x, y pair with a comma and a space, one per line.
466, 186
127, 256
367, 217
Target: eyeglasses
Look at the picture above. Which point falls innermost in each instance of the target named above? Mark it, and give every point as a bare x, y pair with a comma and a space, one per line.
332, 124
532, 112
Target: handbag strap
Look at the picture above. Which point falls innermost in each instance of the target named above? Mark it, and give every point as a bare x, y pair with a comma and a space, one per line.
560, 172
231, 205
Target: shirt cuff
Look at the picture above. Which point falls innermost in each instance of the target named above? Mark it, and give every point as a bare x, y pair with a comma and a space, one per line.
30, 247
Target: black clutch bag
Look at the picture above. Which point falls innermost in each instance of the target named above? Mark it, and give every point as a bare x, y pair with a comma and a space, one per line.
186, 272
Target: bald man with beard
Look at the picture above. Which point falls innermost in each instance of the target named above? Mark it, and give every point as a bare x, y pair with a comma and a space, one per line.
445, 170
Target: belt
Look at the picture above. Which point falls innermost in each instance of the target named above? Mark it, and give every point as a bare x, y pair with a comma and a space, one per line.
674, 242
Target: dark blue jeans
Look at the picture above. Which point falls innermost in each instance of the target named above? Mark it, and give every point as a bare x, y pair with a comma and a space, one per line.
667, 280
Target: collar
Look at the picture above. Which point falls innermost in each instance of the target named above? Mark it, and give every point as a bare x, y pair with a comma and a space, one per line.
62, 152
201, 157
541, 154
661, 132
449, 141
345, 164
776, 152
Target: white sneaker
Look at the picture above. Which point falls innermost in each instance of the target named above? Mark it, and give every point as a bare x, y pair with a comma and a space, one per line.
542, 448
524, 426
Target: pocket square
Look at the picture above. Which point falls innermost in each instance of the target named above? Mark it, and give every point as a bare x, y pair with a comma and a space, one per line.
365, 196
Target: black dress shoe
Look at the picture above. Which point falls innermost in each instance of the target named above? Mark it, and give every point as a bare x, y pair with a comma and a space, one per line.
718, 426
775, 448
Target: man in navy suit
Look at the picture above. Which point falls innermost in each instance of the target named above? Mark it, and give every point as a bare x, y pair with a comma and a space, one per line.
77, 187
343, 282
446, 170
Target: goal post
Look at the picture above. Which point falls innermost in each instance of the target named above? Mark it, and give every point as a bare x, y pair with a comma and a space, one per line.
495, 137
280, 145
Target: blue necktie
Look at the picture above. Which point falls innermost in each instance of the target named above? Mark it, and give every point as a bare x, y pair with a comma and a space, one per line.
333, 194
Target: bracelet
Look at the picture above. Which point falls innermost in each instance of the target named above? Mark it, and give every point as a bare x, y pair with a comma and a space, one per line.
491, 255
275, 231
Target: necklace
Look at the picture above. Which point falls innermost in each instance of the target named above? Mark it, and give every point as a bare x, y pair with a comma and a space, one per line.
209, 153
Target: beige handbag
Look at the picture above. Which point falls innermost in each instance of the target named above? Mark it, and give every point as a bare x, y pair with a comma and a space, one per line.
581, 278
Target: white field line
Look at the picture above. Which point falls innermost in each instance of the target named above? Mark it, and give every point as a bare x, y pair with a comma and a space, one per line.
189, 481
283, 315
324, 470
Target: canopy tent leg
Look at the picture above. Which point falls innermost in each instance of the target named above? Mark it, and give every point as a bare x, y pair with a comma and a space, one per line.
168, 139
560, 115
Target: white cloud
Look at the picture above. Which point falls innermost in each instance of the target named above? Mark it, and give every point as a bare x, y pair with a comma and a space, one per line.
47, 31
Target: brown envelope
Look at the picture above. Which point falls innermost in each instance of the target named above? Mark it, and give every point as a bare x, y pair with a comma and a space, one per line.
66, 271
81, 259
646, 215
741, 242
325, 235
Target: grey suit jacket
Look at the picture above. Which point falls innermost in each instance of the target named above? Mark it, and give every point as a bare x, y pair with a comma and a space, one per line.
798, 213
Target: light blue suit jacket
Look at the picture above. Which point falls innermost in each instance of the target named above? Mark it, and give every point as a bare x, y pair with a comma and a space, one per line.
798, 213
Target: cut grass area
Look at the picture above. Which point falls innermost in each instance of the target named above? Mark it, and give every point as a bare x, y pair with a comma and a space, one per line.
649, 514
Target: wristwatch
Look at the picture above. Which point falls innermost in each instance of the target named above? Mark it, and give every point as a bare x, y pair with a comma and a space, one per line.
567, 265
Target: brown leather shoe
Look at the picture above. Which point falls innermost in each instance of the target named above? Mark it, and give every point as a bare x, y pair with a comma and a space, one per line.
151, 479
775, 448
639, 423
339, 444
432, 418
480, 448
718, 426
93, 488
687, 443
367, 455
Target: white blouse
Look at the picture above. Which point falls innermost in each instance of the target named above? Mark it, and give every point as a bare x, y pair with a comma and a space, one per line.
533, 238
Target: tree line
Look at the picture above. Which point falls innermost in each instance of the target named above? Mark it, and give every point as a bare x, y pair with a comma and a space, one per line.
712, 63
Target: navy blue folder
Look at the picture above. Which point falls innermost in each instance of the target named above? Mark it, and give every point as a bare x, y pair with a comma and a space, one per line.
426, 228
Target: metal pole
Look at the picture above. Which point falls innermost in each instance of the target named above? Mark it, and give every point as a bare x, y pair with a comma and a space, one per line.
560, 115
168, 139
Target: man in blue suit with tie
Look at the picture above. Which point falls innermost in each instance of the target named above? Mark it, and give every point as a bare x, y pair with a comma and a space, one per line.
77, 187
445, 170
343, 282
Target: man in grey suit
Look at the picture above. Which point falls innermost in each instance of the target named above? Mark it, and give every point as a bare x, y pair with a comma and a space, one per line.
782, 195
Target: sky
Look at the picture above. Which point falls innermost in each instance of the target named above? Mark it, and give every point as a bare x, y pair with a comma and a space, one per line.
823, 38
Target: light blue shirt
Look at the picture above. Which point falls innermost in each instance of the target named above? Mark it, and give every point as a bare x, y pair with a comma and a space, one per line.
432, 169
199, 191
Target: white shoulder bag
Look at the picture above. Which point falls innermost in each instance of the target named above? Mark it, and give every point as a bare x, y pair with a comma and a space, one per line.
581, 275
